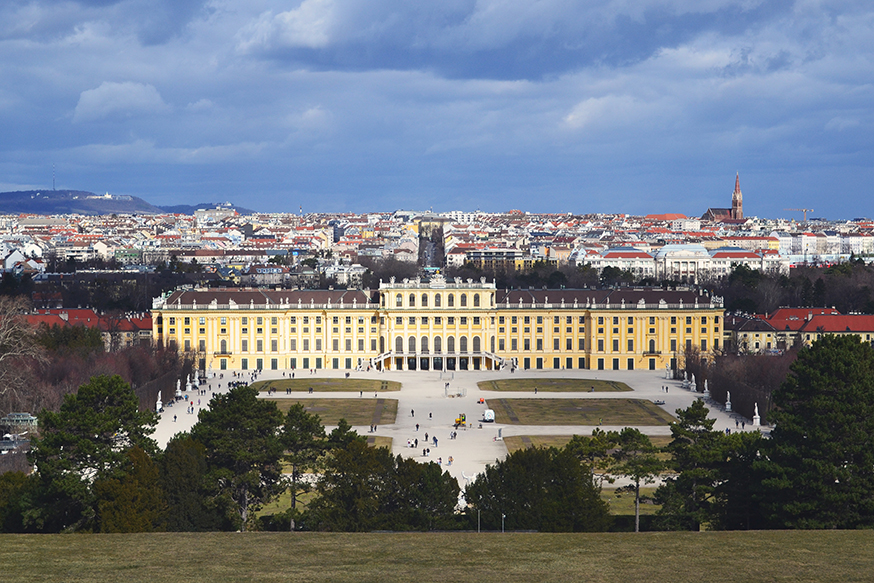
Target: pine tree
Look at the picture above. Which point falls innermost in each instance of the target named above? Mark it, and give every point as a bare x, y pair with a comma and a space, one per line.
86, 441
697, 450
821, 454
243, 448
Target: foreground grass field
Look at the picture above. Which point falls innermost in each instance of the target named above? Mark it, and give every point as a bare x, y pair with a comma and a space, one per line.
624, 412
320, 385
796, 556
553, 385
367, 411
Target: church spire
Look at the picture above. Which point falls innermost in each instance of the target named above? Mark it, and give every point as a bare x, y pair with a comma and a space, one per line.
737, 204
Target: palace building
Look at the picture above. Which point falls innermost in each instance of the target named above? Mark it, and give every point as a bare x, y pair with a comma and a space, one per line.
439, 325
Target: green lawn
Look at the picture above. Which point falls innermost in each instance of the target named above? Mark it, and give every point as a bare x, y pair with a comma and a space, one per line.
553, 385
623, 412
623, 502
320, 385
366, 411
718, 557
515, 442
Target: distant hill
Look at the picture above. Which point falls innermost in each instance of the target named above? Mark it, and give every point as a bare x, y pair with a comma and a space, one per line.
64, 202
188, 209
61, 202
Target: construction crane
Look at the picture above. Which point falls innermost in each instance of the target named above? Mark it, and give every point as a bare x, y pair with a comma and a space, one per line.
805, 211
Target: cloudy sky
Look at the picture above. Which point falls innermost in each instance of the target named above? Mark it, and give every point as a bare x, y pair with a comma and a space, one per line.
634, 106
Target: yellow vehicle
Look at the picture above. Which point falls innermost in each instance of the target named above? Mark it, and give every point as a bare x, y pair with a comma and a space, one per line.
460, 420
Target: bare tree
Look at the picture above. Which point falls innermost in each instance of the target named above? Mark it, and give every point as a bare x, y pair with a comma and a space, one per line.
18, 344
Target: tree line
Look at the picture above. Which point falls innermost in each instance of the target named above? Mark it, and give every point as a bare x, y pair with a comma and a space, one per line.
40, 365
98, 470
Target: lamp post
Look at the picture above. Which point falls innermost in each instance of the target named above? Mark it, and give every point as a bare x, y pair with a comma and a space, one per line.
503, 516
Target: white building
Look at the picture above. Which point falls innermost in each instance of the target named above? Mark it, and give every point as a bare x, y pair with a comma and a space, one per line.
686, 262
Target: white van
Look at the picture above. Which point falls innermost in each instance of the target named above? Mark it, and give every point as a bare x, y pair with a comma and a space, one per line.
489, 416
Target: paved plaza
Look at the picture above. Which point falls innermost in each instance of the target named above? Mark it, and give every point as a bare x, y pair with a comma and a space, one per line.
425, 394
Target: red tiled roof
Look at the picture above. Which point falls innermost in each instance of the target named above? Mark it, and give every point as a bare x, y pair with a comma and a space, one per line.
842, 323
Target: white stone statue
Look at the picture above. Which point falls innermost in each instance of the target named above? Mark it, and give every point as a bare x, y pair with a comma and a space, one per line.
728, 401
756, 419
159, 405
178, 385
756, 410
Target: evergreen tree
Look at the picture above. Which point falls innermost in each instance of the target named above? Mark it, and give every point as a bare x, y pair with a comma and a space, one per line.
594, 452
350, 490
303, 438
183, 480
636, 458
697, 451
133, 501
86, 441
821, 453
538, 489
243, 449
363, 488
343, 435
15, 488
738, 493
423, 496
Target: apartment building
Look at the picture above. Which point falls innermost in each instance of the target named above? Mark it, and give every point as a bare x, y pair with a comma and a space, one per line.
439, 325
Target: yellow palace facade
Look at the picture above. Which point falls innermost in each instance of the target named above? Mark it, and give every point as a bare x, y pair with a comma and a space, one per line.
438, 325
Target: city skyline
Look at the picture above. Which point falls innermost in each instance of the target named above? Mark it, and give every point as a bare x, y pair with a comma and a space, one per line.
338, 105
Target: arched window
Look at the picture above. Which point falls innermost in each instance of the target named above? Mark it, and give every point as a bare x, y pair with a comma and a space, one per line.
450, 344
424, 344
381, 344
475, 300
652, 346
399, 344
412, 343
424, 300
462, 344
476, 344
383, 300
463, 300
493, 344
224, 347
412, 300
399, 300
437, 300
450, 301
438, 344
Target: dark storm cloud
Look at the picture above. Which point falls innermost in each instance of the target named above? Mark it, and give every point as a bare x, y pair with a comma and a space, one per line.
610, 105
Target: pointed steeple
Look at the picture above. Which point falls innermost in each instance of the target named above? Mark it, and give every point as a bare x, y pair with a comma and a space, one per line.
737, 204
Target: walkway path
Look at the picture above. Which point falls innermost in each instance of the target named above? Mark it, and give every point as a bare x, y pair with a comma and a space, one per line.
423, 392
